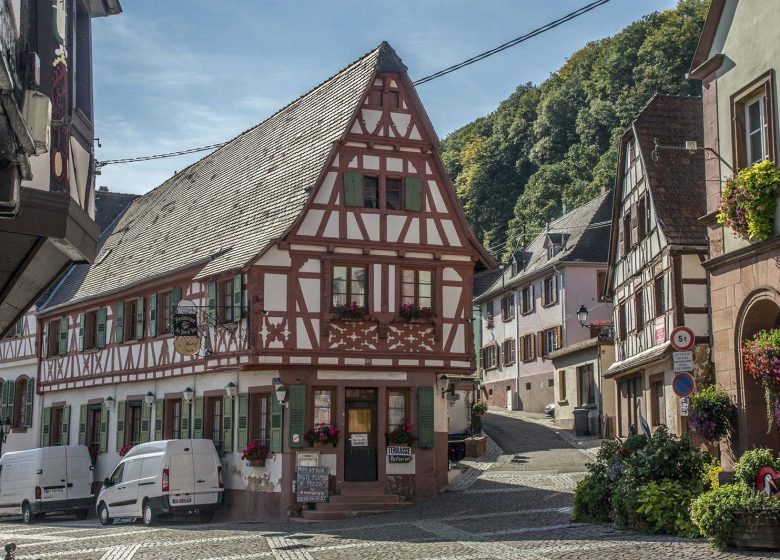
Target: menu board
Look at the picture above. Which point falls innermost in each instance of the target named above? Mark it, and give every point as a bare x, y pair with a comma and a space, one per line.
311, 484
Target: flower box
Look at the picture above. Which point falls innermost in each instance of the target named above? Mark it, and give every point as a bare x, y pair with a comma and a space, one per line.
256, 463
323, 435
324, 444
756, 533
747, 205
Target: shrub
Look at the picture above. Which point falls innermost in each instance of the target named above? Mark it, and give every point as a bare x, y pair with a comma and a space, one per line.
747, 204
664, 507
592, 502
668, 457
716, 512
711, 413
746, 469
625, 502
479, 408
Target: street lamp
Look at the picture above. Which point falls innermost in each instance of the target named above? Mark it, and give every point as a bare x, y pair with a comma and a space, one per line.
606, 328
582, 315
188, 394
149, 398
5, 429
109, 403
231, 390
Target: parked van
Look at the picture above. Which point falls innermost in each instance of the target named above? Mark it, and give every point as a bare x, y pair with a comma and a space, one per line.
35, 482
176, 476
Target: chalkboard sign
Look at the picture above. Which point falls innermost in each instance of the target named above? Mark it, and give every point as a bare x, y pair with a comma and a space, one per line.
185, 324
399, 454
311, 484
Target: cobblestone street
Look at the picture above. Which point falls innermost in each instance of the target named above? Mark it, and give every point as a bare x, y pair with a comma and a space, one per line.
515, 504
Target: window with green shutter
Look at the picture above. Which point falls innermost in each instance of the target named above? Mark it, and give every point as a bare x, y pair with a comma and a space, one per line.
425, 417
211, 302
140, 311
413, 194
28, 405
159, 412
65, 423
353, 189
62, 340
46, 427
237, 297
146, 422
45, 341
120, 424
119, 322
276, 424
297, 415
227, 424
82, 326
103, 429
153, 315
242, 422
186, 413
197, 418
83, 424
100, 335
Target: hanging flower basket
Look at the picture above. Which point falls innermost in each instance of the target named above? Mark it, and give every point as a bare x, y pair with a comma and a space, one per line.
323, 435
711, 414
255, 454
747, 204
761, 359
479, 408
401, 436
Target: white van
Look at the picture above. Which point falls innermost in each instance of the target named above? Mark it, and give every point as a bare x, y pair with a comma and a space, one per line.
175, 476
35, 482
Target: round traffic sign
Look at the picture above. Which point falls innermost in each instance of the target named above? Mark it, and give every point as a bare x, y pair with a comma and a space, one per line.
683, 384
682, 338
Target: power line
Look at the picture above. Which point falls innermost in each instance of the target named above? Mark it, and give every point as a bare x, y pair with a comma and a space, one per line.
516, 41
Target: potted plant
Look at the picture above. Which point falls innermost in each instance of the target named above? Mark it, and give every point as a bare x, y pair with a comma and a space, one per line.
711, 414
402, 435
479, 408
255, 454
323, 435
125, 448
761, 358
747, 204
412, 311
350, 311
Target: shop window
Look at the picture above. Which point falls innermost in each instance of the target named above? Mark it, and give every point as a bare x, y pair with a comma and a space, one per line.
172, 419
349, 286
417, 287
260, 418
397, 408
323, 406
586, 387
212, 421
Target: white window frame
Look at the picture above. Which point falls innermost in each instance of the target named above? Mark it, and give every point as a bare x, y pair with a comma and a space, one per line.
761, 131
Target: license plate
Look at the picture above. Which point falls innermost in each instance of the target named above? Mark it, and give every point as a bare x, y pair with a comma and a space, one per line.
53, 491
181, 500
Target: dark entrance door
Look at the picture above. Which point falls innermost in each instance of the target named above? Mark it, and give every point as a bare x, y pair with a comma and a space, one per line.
361, 438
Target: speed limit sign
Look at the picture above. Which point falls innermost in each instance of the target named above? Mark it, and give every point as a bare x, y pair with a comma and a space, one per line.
682, 339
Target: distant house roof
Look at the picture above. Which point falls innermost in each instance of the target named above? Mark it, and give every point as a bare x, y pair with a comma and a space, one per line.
109, 207
223, 211
676, 179
583, 236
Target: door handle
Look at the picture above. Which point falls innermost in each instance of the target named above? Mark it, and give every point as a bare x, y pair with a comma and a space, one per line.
200, 481
121, 487
70, 485
63, 480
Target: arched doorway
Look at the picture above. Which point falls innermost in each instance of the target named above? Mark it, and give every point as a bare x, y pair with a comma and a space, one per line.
760, 311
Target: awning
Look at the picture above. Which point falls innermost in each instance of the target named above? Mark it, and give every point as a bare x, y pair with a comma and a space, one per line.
643, 358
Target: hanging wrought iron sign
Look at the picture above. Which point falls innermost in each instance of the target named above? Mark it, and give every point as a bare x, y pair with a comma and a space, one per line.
186, 335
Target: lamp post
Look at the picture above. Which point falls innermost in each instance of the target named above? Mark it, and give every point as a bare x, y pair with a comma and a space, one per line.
5, 429
606, 327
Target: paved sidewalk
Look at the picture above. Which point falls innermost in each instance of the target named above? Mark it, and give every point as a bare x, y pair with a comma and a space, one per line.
587, 444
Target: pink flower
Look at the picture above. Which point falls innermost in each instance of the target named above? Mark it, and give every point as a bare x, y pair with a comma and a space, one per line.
332, 431
323, 436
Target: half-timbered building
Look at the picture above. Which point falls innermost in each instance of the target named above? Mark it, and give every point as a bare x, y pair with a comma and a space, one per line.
655, 276
329, 267
531, 309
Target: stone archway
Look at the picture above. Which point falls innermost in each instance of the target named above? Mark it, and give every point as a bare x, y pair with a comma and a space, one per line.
760, 311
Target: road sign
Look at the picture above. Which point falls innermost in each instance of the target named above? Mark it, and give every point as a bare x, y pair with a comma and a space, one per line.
682, 361
683, 384
682, 338
684, 402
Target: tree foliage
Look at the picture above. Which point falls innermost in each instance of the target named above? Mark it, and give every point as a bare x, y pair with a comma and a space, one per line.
557, 142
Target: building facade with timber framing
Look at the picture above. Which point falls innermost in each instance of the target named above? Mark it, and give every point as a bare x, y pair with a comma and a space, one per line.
307, 243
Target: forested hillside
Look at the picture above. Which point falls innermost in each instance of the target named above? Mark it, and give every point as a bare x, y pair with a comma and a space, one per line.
556, 142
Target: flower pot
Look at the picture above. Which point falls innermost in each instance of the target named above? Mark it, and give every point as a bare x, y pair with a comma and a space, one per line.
256, 463
324, 444
756, 533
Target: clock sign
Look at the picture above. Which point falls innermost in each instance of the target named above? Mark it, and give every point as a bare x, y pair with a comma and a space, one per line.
682, 339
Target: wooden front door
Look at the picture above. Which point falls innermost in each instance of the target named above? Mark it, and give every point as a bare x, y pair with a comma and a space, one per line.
360, 462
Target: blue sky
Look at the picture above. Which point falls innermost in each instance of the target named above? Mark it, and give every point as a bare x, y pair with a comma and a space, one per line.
176, 74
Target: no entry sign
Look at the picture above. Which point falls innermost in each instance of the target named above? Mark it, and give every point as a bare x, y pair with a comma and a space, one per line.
683, 384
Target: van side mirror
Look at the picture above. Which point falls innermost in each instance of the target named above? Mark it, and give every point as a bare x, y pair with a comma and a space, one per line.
107, 482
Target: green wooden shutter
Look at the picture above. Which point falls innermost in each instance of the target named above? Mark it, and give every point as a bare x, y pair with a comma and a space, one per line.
146, 417
276, 424
8, 411
297, 415
65, 439
119, 323
120, 424
242, 422
237, 298
4, 401
82, 328
153, 316
175, 299
185, 419
425, 417
353, 189
227, 424
45, 349
83, 424
18, 327
413, 194
139, 318
159, 411
100, 338
46, 428
62, 341
103, 429
197, 418
28, 404
211, 301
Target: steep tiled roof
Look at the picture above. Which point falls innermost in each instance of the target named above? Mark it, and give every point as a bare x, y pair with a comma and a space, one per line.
109, 207
587, 228
676, 179
222, 211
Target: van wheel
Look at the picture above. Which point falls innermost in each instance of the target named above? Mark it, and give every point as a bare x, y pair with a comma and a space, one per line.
103, 515
82, 514
27, 514
206, 516
150, 517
